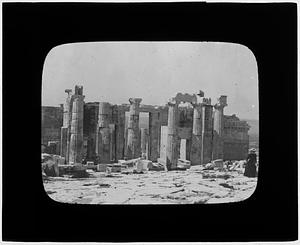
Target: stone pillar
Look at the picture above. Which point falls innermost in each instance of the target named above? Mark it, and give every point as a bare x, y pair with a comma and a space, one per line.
64, 138
76, 138
144, 142
69, 128
133, 147
218, 141
154, 135
120, 134
63, 141
197, 135
112, 128
90, 128
172, 140
207, 133
104, 136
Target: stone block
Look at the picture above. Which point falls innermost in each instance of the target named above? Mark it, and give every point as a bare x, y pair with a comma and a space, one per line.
58, 159
218, 163
116, 168
130, 163
93, 167
184, 163
154, 166
101, 167
50, 168
75, 171
142, 165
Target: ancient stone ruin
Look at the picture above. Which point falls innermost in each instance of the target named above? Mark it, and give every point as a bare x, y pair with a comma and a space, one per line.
189, 127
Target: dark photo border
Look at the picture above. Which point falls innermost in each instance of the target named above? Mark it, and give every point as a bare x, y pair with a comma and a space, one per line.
31, 30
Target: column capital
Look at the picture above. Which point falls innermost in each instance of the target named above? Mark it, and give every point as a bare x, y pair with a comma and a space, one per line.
222, 102
172, 102
135, 100
206, 101
79, 89
68, 91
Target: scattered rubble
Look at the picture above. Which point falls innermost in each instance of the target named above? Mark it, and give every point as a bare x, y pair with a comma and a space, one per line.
194, 185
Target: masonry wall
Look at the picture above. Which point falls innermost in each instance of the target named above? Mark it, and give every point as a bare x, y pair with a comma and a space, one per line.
52, 121
236, 138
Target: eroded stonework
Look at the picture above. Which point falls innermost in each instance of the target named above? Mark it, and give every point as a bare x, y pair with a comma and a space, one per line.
96, 132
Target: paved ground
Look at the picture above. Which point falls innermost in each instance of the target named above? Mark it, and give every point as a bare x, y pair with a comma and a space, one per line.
175, 187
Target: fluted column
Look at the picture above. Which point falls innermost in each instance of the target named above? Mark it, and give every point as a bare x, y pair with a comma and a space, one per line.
197, 135
104, 135
133, 147
172, 140
76, 138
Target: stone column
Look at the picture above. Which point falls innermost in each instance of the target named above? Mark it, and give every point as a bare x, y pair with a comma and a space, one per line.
104, 146
172, 140
144, 142
218, 141
120, 132
154, 135
76, 138
64, 138
90, 128
207, 133
112, 128
133, 147
63, 141
197, 135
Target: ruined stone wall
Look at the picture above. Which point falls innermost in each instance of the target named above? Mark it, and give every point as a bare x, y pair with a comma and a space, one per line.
52, 121
93, 130
236, 138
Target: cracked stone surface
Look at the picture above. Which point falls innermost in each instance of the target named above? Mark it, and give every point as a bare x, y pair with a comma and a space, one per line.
174, 187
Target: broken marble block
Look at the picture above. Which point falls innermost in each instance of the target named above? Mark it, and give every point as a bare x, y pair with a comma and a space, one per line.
182, 163
155, 166
116, 168
50, 168
209, 166
75, 171
142, 165
129, 163
101, 167
218, 163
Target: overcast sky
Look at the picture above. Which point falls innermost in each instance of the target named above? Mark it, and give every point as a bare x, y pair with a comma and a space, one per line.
154, 71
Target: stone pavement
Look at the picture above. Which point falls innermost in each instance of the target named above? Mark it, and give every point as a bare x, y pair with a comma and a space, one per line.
174, 187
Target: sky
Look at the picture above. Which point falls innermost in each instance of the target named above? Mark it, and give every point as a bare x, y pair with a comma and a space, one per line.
154, 71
